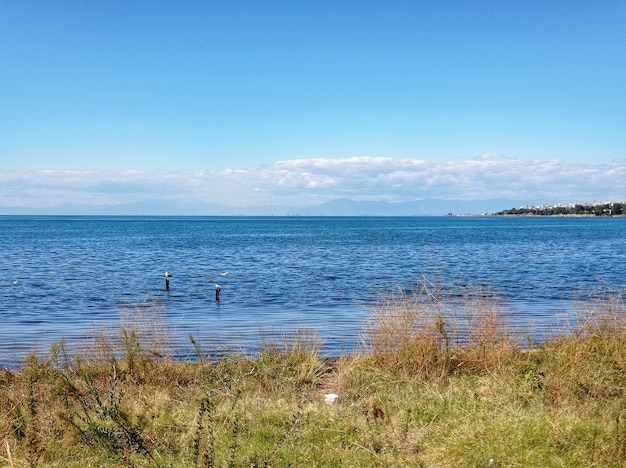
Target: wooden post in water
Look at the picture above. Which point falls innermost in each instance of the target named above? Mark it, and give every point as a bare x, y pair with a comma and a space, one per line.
167, 280
218, 288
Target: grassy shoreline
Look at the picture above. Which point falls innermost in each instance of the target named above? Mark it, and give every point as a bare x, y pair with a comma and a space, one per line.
434, 386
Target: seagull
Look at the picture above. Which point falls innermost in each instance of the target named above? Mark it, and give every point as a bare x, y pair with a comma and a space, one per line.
224, 273
167, 274
15, 283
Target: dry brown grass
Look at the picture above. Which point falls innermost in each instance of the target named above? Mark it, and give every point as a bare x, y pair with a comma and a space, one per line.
408, 331
590, 361
426, 334
482, 340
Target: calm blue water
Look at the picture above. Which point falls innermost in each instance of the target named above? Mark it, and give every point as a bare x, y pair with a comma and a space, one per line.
75, 274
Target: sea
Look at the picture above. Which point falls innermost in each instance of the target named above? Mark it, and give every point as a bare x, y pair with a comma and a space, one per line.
70, 279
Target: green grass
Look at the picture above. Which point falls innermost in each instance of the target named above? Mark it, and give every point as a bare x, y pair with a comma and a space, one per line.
436, 385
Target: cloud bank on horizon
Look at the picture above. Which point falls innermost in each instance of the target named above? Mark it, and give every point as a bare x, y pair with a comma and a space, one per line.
196, 104
305, 182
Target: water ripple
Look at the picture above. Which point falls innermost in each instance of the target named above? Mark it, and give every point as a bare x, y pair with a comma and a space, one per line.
74, 273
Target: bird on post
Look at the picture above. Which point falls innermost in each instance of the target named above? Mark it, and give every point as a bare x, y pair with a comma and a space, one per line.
167, 280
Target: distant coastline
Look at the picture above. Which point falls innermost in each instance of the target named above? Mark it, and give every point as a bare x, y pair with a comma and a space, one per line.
610, 209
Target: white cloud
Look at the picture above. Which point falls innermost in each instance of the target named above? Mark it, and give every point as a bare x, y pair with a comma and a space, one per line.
311, 181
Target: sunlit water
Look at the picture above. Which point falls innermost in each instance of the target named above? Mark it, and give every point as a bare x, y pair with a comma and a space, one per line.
69, 276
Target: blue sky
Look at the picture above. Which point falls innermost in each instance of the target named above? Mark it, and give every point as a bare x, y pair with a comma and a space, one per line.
301, 102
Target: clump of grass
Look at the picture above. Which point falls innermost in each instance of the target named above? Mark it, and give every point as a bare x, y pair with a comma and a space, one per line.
426, 334
482, 339
409, 332
100, 418
292, 364
590, 361
26, 418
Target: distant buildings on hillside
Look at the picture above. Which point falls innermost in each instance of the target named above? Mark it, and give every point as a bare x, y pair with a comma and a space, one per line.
571, 209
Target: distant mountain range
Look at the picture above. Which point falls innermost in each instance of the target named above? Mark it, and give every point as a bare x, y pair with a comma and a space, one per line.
338, 207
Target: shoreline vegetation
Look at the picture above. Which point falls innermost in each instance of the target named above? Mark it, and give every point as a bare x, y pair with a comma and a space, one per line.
436, 384
571, 209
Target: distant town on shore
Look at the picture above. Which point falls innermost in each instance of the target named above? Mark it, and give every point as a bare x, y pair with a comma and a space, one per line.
571, 209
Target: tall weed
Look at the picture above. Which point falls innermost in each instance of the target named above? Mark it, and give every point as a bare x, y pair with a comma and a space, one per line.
96, 411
